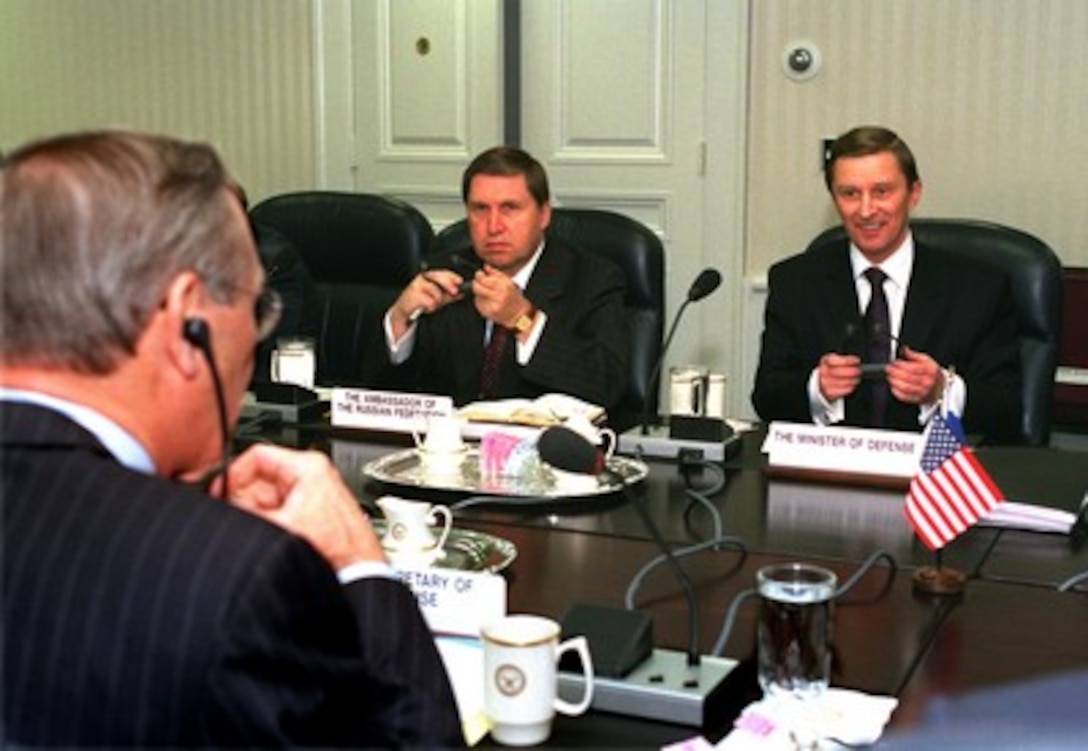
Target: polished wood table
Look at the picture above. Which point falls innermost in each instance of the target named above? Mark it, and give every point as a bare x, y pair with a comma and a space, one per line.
1011, 623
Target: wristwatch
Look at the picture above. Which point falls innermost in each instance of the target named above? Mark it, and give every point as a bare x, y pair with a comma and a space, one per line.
525, 321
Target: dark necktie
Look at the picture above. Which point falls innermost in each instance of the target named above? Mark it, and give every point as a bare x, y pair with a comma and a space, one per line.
493, 354
878, 330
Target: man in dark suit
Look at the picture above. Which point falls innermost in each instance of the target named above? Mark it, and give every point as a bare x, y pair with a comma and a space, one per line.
139, 610
932, 329
517, 315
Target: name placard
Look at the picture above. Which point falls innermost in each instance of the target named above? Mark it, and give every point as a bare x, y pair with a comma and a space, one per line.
386, 410
456, 602
861, 451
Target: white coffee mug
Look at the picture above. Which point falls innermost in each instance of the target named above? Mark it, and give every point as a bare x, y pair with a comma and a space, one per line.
605, 438
409, 525
715, 395
521, 654
688, 390
294, 361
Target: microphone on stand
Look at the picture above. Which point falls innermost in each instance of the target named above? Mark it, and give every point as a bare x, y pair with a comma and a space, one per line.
708, 280
568, 450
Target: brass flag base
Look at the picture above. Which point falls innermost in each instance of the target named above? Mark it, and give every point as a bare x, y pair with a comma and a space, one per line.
939, 581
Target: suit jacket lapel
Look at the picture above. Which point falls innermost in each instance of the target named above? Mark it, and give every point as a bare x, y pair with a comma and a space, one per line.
550, 275
921, 310
841, 298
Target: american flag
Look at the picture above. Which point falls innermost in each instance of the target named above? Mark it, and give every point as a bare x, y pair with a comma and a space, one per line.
952, 491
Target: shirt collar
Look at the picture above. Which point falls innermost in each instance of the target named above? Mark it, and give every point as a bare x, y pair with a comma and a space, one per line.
897, 266
118, 441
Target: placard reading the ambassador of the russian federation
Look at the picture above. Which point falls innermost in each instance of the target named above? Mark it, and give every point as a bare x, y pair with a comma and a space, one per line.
864, 451
387, 410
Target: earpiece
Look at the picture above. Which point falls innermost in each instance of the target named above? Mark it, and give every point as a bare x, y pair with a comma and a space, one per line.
195, 331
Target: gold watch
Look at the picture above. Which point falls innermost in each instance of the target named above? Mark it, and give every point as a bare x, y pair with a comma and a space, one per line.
525, 321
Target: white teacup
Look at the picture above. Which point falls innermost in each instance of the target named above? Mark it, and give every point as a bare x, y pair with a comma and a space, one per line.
605, 438
521, 653
443, 435
409, 525
442, 449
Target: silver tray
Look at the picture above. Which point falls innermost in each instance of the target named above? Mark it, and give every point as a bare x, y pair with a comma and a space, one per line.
404, 468
465, 550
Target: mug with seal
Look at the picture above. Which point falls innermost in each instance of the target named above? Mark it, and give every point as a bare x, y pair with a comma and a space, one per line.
521, 655
294, 360
409, 525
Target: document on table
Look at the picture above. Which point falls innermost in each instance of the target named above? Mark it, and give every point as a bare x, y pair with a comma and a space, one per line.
464, 660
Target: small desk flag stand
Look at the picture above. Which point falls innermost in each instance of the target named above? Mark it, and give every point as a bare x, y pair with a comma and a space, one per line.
938, 579
951, 492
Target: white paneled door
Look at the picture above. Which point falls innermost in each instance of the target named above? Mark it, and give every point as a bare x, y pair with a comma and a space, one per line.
614, 100
613, 105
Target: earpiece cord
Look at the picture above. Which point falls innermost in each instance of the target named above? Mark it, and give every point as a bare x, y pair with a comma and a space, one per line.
224, 426
202, 340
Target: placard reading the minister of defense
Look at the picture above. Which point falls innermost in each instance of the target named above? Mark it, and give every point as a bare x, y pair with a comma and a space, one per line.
387, 410
886, 453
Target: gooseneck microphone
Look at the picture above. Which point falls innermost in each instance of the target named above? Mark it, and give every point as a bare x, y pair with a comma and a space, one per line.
568, 450
707, 281
196, 332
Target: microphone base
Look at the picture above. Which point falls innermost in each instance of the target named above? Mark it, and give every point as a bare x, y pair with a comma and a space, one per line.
304, 406
664, 688
659, 443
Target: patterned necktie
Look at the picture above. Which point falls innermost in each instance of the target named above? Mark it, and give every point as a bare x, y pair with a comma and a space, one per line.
878, 331
493, 353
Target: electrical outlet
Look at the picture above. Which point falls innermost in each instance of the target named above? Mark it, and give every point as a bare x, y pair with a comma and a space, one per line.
664, 687
825, 151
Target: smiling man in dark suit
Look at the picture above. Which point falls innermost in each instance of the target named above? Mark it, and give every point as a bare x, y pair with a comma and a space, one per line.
935, 328
516, 315
139, 610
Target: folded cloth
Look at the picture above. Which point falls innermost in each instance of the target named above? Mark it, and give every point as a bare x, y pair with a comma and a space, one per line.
837, 718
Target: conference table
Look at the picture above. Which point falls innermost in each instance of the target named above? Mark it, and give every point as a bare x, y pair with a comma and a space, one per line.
1011, 623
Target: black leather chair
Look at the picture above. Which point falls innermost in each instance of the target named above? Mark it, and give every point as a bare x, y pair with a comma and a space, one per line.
361, 250
638, 252
1036, 277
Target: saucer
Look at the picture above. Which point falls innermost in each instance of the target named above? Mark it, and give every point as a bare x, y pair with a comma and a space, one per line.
423, 558
442, 462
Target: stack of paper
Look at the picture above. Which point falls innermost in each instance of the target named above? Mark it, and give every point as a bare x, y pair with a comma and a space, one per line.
1013, 515
542, 412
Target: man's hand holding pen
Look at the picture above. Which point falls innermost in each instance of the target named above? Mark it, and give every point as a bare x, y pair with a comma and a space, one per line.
913, 377
430, 290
